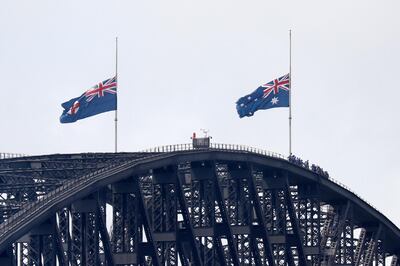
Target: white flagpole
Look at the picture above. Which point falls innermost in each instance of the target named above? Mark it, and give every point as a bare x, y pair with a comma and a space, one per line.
290, 92
116, 79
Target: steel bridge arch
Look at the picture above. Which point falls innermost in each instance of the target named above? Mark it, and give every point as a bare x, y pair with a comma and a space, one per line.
280, 229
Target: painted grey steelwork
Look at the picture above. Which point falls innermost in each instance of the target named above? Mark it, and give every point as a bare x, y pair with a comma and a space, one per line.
223, 205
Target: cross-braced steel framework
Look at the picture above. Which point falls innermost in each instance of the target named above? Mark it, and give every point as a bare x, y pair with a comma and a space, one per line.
224, 205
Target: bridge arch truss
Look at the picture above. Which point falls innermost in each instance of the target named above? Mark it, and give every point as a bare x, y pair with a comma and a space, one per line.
224, 205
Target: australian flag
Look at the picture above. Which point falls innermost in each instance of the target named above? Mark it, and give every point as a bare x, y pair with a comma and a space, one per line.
99, 99
270, 95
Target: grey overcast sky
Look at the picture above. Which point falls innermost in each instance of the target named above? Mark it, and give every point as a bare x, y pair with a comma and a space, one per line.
183, 64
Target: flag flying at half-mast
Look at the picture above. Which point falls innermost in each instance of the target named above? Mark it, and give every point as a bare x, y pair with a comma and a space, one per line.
273, 94
99, 99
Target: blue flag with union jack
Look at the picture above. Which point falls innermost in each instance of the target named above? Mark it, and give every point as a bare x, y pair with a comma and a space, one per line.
99, 99
270, 95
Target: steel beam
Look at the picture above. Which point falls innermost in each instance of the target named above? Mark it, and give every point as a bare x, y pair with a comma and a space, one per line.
340, 230
146, 223
62, 259
186, 218
225, 222
372, 247
294, 221
105, 239
260, 217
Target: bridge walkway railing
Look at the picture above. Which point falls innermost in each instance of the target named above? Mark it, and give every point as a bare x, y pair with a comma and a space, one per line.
7, 155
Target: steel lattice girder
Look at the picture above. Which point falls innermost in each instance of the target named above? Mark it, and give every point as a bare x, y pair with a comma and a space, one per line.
206, 209
24, 180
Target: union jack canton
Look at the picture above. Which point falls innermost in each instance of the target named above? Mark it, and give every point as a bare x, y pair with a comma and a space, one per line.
99, 90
